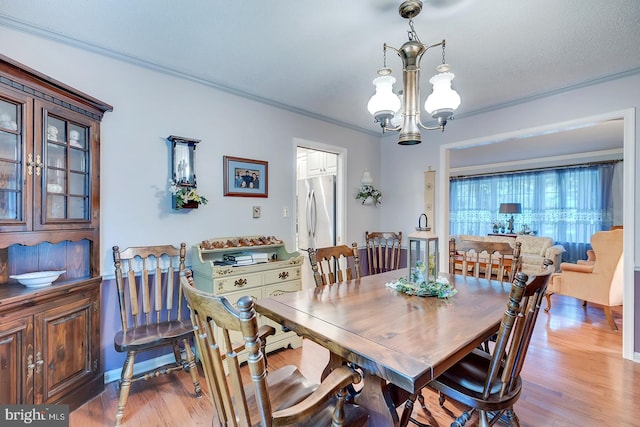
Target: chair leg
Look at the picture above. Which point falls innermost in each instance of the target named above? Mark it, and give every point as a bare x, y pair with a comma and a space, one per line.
463, 418
408, 409
125, 385
191, 366
511, 418
548, 296
609, 315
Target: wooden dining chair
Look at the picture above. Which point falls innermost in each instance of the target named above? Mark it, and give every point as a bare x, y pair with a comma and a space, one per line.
151, 313
287, 398
383, 251
490, 383
489, 260
334, 264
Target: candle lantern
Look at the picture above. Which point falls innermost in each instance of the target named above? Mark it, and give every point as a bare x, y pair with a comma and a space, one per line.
423, 254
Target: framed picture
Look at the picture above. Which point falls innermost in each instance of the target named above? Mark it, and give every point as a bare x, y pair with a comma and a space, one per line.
246, 177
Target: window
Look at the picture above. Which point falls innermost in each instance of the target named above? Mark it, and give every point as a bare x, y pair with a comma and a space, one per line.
567, 204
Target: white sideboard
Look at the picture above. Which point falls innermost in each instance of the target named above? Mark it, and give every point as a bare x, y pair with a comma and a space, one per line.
281, 274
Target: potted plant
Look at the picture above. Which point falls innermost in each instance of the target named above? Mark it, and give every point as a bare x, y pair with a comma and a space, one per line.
368, 195
186, 197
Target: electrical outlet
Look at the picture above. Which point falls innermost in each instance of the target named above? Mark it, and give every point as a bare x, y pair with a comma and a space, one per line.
257, 210
285, 212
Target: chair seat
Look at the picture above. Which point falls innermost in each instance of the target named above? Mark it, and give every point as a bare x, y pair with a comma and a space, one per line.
152, 335
287, 386
465, 381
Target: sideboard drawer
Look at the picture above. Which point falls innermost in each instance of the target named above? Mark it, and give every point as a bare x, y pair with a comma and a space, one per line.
237, 283
282, 275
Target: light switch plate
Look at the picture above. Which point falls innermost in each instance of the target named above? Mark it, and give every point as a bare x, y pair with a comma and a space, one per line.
257, 211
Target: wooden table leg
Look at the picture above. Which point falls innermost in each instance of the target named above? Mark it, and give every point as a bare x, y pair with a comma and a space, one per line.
372, 397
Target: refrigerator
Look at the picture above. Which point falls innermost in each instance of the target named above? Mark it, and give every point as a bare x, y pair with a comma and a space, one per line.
316, 218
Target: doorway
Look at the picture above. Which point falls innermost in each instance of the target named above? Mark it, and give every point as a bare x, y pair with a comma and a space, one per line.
318, 201
628, 116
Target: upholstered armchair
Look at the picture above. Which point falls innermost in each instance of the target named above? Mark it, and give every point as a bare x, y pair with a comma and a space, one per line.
598, 281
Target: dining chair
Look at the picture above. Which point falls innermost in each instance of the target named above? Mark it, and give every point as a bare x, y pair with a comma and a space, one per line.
383, 251
334, 264
490, 383
286, 398
151, 313
489, 260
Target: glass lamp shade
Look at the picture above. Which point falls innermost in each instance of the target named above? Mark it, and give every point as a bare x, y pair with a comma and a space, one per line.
384, 103
366, 178
443, 97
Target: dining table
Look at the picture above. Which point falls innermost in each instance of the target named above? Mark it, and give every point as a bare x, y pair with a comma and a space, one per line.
400, 342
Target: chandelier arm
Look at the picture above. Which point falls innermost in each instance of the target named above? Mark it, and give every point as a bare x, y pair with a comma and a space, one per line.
386, 128
439, 127
442, 43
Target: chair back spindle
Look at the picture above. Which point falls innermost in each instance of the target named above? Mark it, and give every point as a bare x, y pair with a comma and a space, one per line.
383, 251
334, 264
489, 260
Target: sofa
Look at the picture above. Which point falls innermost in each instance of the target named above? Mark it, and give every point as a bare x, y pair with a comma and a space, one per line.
533, 249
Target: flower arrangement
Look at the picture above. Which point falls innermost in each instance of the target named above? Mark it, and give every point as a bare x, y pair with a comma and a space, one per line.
184, 195
367, 191
497, 225
421, 287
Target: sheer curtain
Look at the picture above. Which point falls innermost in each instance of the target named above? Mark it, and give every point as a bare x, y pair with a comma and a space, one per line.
567, 204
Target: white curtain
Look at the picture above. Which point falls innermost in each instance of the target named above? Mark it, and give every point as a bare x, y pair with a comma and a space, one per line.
567, 204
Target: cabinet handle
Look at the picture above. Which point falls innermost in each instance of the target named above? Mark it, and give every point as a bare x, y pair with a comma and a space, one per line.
30, 366
240, 283
38, 165
39, 362
30, 164
283, 275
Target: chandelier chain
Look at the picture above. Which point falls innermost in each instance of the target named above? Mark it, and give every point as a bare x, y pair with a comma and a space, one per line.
412, 34
443, 46
384, 55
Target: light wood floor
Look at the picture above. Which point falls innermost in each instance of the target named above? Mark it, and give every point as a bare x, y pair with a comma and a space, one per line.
574, 375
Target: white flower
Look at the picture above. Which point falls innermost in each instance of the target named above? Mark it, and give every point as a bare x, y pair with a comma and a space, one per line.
366, 191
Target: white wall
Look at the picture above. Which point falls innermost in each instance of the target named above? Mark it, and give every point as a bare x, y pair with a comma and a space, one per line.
135, 166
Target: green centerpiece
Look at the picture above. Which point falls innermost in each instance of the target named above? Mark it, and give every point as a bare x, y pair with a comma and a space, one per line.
419, 286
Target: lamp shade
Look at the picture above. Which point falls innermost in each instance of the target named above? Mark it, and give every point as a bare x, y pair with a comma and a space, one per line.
384, 103
510, 208
443, 97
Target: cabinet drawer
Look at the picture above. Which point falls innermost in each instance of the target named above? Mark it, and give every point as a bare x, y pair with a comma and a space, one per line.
282, 275
237, 283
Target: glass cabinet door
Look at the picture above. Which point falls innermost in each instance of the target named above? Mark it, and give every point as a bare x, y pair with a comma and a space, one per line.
12, 164
67, 154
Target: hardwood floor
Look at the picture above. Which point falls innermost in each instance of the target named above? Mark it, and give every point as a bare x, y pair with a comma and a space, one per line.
574, 375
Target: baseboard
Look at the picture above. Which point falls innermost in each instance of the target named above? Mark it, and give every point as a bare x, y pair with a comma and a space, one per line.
147, 365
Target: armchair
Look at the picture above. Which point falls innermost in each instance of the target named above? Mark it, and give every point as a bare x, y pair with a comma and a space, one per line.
598, 281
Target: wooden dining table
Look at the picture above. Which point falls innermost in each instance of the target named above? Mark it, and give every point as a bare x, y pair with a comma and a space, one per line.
400, 342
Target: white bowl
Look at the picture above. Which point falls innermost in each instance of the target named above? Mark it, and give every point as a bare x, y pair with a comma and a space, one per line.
37, 279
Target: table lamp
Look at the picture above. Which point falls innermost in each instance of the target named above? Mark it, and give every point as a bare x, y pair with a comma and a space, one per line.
510, 208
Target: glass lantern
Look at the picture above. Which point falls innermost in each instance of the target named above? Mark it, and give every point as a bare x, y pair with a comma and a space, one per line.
423, 256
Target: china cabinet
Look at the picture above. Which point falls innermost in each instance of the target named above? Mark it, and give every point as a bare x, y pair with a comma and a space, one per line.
49, 220
270, 270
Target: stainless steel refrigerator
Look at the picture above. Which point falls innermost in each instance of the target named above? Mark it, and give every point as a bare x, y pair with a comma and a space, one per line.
316, 218
317, 212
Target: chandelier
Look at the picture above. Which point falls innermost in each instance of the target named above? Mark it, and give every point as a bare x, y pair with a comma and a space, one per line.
385, 105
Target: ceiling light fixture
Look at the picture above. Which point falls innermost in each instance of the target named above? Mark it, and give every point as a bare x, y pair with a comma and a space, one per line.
384, 104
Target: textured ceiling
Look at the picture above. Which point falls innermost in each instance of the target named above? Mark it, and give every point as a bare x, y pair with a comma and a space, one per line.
319, 57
